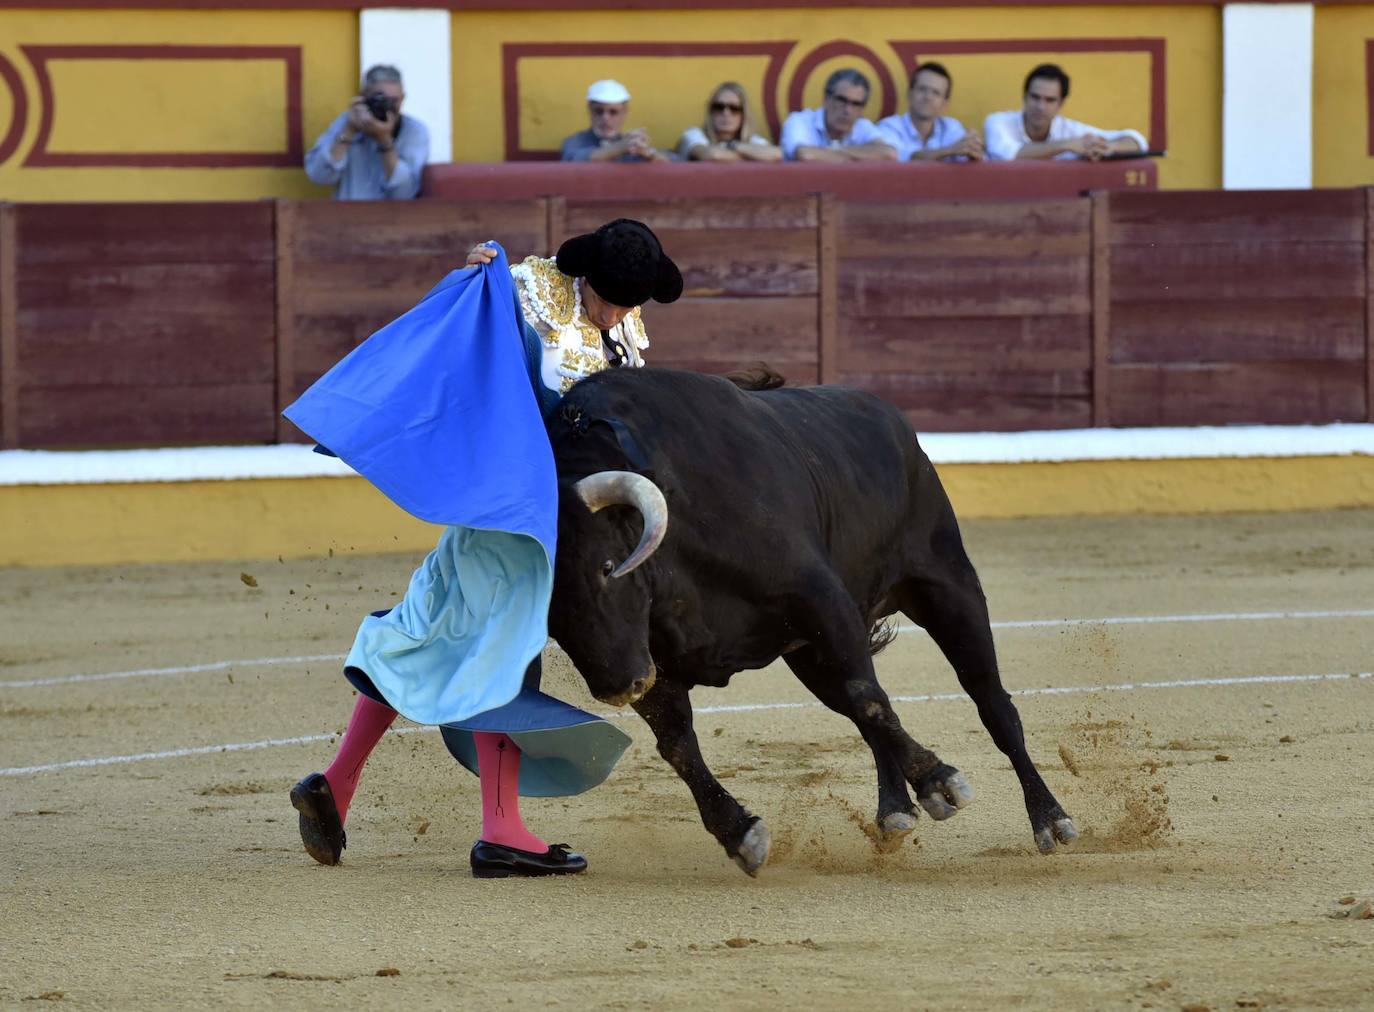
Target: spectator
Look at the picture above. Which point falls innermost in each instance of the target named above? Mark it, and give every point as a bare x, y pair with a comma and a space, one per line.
371, 151
607, 103
1038, 131
727, 134
925, 133
836, 132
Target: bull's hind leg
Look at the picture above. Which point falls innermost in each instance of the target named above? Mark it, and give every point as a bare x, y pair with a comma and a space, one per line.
667, 709
948, 602
844, 673
896, 815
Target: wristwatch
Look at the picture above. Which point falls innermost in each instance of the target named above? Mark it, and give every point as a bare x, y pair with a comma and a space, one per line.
383, 150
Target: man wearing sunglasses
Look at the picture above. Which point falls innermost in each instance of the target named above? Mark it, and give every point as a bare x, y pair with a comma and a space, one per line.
837, 131
606, 140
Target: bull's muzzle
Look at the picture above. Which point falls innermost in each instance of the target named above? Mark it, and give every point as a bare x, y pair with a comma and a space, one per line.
635, 692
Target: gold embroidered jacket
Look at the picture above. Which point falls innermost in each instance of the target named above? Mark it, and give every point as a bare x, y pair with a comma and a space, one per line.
552, 304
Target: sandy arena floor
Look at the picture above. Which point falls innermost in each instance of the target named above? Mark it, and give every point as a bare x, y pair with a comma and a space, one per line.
1223, 823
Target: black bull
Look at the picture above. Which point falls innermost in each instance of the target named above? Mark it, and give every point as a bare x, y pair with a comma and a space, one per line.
800, 519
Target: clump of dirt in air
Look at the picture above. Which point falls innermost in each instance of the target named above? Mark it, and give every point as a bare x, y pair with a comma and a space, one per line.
1119, 798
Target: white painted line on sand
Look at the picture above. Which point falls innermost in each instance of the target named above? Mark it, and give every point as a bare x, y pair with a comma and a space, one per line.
1037, 623
178, 753
1182, 683
184, 670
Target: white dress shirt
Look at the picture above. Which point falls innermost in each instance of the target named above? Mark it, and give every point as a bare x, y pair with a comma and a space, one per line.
1004, 134
901, 133
806, 128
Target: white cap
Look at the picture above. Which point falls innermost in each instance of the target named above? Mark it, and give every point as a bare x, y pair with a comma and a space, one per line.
607, 91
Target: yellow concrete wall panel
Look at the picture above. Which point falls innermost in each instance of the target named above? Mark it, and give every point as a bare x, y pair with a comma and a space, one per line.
206, 105
209, 106
1110, 88
553, 92
1341, 96
47, 525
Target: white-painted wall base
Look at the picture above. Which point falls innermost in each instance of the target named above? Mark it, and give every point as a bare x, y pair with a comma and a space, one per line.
418, 42
1267, 96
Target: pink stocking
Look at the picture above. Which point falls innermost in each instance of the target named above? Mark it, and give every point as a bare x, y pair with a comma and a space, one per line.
365, 728
498, 760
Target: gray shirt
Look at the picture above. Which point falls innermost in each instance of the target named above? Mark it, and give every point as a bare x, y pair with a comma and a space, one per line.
359, 176
579, 148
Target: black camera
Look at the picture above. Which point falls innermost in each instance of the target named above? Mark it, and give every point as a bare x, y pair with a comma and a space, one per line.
380, 106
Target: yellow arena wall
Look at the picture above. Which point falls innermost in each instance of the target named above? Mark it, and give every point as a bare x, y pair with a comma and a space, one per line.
1126, 64
99, 105
1343, 96
220, 104
54, 525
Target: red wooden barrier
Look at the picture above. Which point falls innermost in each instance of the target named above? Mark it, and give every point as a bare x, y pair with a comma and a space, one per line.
1238, 307
142, 323
875, 181
9, 334
969, 316
195, 323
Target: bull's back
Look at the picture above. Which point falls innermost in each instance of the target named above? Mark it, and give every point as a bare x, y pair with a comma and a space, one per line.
835, 461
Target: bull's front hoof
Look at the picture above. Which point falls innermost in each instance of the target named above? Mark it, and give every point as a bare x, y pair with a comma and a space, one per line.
752, 852
944, 792
1062, 830
896, 826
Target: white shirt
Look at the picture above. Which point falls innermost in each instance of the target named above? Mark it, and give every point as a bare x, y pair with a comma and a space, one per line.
1004, 134
695, 136
901, 133
806, 128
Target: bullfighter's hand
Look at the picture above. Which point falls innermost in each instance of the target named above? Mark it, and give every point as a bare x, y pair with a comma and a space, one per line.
482, 253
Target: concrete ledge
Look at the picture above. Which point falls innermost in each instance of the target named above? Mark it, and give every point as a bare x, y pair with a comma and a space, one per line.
162, 519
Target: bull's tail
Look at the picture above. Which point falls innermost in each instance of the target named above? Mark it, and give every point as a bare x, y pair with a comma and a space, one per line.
884, 631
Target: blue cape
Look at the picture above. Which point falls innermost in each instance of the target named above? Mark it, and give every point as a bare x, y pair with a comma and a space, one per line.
437, 411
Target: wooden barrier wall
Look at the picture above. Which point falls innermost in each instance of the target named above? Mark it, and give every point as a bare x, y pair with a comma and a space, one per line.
166, 324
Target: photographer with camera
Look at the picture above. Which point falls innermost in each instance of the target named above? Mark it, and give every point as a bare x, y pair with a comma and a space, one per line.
371, 151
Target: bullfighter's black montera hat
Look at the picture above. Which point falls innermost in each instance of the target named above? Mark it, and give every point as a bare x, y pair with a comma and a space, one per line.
624, 262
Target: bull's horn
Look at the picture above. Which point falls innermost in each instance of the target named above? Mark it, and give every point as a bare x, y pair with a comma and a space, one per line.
625, 488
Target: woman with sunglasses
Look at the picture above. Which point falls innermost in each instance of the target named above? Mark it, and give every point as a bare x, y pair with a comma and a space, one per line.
727, 134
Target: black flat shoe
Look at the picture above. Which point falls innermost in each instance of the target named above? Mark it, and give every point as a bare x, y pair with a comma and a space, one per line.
491, 860
321, 831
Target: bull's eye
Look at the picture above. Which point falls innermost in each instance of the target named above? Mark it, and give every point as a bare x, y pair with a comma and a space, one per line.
607, 568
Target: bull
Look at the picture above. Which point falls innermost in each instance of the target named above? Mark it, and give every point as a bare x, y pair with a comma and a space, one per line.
801, 519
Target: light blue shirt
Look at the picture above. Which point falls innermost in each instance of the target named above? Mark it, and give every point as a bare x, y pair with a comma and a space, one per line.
359, 176
806, 128
901, 133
